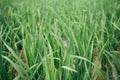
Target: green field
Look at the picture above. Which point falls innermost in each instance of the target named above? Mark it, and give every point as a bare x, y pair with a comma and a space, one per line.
59, 39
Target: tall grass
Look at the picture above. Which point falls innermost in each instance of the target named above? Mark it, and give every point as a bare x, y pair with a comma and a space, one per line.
59, 40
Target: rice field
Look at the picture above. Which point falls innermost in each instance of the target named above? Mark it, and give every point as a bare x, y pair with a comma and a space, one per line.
59, 39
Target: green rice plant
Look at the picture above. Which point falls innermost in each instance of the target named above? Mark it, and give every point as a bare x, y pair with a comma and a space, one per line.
59, 40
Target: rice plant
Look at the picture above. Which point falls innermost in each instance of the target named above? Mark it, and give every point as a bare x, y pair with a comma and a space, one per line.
59, 39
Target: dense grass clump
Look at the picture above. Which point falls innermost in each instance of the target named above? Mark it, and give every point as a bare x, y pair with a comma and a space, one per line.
59, 39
